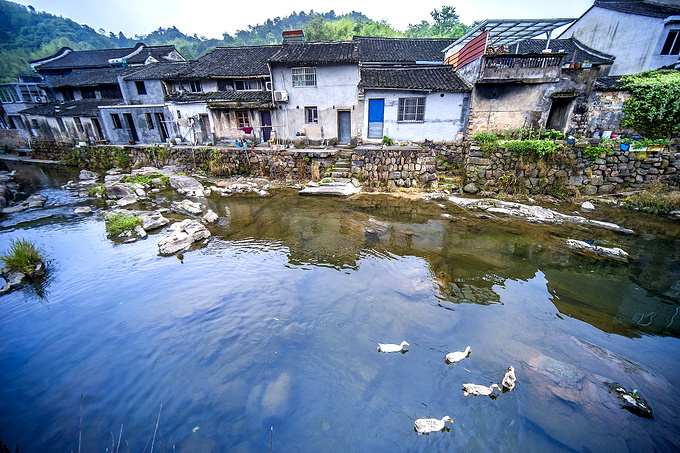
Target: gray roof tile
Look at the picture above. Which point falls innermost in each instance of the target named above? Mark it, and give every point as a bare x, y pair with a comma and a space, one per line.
576, 51
430, 78
639, 8
401, 50
314, 53
82, 107
100, 58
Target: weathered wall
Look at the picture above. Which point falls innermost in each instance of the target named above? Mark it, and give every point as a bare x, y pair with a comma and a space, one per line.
12, 139
145, 134
445, 116
635, 41
605, 111
49, 127
394, 167
225, 125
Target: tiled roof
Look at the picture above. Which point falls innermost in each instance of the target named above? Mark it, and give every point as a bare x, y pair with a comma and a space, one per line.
312, 53
100, 58
576, 51
431, 78
244, 61
401, 50
261, 97
608, 83
83, 107
639, 8
87, 77
158, 71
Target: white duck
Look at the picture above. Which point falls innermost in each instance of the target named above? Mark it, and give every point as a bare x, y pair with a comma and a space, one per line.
389, 347
476, 389
453, 357
509, 379
429, 425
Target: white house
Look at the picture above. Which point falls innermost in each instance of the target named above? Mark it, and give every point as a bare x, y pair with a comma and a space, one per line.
640, 34
414, 103
316, 86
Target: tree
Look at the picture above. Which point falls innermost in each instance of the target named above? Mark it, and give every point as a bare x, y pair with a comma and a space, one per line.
654, 108
446, 25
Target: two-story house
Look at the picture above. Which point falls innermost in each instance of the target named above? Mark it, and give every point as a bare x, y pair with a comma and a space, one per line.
29, 91
520, 81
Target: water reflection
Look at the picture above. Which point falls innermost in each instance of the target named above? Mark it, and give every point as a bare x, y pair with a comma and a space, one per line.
276, 323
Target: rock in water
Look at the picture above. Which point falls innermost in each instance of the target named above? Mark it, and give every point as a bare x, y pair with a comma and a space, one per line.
186, 185
631, 401
588, 206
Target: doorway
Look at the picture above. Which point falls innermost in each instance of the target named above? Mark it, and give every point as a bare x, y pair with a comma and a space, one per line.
376, 114
559, 114
266, 121
131, 127
344, 126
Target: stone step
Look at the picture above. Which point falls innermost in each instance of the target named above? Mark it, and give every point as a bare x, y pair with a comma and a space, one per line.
340, 174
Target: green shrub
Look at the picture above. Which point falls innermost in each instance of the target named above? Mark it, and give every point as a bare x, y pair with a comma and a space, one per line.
593, 152
542, 148
146, 179
23, 256
387, 141
116, 223
654, 107
96, 190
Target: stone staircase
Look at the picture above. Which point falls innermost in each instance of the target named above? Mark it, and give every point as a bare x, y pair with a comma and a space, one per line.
342, 169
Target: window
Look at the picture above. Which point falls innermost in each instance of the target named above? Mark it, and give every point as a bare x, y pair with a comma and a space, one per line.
304, 77
141, 89
149, 121
7, 94
60, 123
79, 124
311, 115
672, 44
15, 122
411, 109
34, 124
116, 121
247, 85
242, 119
195, 86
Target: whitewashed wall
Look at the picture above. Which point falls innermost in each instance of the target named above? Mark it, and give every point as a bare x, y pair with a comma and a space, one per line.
445, 116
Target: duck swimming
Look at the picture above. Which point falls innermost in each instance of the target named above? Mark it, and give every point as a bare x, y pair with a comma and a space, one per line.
509, 379
453, 357
389, 347
476, 390
429, 425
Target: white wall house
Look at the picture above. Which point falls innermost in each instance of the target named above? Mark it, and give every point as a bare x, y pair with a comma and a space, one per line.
316, 88
639, 34
414, 104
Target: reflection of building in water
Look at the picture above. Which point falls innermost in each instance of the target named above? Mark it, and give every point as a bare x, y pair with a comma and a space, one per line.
472, 292
612, 303
649, 313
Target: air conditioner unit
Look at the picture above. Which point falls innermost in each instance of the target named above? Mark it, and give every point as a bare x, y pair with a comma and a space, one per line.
268, 86
40, 99
280, 96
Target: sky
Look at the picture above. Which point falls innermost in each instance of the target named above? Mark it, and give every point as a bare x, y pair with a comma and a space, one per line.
212, 18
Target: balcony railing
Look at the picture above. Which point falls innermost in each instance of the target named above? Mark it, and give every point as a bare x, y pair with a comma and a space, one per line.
522, 68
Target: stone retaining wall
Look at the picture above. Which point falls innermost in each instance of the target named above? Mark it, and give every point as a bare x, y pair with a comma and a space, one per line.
423, 167
570, 170
12, 139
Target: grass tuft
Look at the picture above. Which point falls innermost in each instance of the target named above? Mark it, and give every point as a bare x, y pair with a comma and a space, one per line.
23, 256
657, 199
117, 223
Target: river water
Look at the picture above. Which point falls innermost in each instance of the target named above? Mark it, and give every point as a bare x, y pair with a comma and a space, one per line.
267, 337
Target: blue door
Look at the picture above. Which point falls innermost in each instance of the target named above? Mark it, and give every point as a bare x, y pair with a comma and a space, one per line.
376, 109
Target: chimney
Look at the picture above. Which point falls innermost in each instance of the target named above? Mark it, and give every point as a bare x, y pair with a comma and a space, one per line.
293, 36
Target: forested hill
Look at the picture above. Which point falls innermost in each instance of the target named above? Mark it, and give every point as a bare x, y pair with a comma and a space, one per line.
26, 34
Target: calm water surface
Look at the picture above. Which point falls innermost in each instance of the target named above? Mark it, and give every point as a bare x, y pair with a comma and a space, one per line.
275, 325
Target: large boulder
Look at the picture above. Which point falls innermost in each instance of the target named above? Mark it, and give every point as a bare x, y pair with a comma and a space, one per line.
182, 236
118, 191
153, 221
187, 206
86, 175
186, 185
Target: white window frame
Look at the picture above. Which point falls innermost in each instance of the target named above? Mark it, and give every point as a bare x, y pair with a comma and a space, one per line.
311, 115
304, 76
411, 110
247, 85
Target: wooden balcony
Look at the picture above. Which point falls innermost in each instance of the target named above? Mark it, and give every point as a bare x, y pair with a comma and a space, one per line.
509, 68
